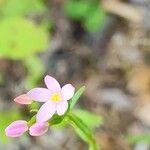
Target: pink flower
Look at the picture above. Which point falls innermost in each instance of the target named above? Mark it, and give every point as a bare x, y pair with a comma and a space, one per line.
54, 96
38, 129
23, 99
16, 129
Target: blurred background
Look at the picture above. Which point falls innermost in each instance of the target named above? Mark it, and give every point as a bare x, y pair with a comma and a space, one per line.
102, 44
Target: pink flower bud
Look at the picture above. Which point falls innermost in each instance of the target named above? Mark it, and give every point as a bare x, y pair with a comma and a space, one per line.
16, 128
23, 99
38, 129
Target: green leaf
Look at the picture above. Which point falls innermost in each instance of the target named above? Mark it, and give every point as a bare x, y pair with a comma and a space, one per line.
84, 132
133, 139
20, 8
88, 12
34, 105
76, 9
90, 119
80, 133
7, 117
32, 120
56, 119
95, 20
20, 38
76, 97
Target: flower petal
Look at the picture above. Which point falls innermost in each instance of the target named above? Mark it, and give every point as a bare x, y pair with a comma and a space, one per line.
23, 99
46, 111
16, 128
38, 129
52, 84
39, 94
62, 107
67, 91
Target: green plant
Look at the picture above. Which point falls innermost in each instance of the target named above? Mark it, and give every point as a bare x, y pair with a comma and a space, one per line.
21, 38
88, 12
56, 111
21, 8
134, 139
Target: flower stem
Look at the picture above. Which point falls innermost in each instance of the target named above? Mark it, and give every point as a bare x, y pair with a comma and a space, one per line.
83, 131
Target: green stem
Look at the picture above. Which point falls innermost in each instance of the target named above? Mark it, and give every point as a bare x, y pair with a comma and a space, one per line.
80, 126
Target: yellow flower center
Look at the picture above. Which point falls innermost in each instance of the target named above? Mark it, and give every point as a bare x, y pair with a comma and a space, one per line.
56, 97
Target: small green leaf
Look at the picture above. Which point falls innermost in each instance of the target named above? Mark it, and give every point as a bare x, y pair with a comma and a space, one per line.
84, 132
95, 20
90, 119
133, 139
32, 120
76, 97
34, 105
82, 129
76, 9
80, 133
13, 8
56, 119
88, 12
33, 110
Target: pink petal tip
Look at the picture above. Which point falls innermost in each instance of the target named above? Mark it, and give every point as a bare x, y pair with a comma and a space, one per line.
52, 84
38, 129
16, 128
23, 99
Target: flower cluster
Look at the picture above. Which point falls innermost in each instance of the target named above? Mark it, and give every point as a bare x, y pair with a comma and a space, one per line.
55, 100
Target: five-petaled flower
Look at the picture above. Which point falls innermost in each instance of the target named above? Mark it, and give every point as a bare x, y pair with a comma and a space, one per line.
54, 96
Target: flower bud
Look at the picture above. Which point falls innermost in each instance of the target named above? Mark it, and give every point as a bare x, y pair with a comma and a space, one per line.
16, 128
38, 128
23, 99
